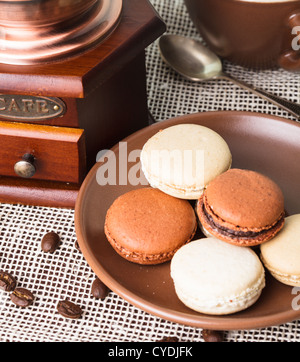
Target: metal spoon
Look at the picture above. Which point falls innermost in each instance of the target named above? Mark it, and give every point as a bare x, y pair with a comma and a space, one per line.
195, 62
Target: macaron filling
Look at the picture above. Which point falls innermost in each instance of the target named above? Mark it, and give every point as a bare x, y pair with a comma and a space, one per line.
213, 224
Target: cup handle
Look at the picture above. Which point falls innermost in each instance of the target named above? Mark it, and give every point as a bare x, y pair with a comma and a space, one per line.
290, 59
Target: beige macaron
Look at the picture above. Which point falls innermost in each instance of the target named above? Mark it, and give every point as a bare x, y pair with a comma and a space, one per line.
218, 278
181, 160
281, 255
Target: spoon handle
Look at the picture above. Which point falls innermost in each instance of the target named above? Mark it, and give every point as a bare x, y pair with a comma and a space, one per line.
289, 106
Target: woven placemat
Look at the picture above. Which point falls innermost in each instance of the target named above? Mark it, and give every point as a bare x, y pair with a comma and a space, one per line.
66, 275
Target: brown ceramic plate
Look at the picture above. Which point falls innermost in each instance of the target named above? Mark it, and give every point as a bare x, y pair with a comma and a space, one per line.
259, 142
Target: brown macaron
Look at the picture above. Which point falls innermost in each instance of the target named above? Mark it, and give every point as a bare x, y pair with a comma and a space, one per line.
242, 207
147, 226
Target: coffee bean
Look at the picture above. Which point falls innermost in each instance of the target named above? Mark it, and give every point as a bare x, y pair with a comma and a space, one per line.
77, 246
99, 289
169, 339
50, 242
69, 310
212, 336
22, 297
7, 282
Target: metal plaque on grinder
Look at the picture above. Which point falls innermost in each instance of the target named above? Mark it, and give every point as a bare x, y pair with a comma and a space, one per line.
25, 107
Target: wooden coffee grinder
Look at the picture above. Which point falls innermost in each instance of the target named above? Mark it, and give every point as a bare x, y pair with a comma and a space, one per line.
73, 82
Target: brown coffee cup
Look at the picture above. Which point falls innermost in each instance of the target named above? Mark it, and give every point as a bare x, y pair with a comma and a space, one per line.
252, 33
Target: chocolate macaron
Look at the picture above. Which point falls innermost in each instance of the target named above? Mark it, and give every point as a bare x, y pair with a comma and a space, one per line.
242, 207
147, 226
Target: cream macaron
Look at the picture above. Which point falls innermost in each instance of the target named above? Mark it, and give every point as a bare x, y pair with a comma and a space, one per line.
217, 278
181, 160
281, 255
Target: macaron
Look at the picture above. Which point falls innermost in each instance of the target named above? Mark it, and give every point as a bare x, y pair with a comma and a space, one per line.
182, 159
281, 255
147, 226
242, 207
217, 278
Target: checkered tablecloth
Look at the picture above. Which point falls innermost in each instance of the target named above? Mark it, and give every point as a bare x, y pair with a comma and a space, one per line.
66, 274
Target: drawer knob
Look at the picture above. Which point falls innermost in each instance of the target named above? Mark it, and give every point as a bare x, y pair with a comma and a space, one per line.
25, 168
